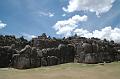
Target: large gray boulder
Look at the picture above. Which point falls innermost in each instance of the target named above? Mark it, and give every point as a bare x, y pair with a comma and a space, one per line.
43, 61
95, 47
27, 50
52, 60
87, 48
80, 57
67, 53
6, 53
23, 60
34, 59
79, 48
91, 58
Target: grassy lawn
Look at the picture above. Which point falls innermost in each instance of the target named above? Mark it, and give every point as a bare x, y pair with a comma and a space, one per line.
65, 71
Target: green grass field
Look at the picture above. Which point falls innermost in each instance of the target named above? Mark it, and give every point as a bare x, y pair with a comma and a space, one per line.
65, 71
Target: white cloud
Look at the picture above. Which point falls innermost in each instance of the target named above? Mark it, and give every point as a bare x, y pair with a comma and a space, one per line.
63, 15
49, 14
108, 33
66, 27
2, 25
97, 6
28, 36
83, 33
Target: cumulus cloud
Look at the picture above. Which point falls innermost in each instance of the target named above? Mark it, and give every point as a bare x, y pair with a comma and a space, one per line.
49, 14
108, 33
2, 25
97, 6
82, 32
66, 27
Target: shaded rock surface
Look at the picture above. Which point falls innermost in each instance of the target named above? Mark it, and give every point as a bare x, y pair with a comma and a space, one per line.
31, 57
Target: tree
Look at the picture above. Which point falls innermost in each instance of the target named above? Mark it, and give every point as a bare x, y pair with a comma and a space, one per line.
49, 37
44, 35
75, 35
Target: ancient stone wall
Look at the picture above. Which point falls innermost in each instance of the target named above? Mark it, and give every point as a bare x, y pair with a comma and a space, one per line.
44, 51
95, 53
31, 57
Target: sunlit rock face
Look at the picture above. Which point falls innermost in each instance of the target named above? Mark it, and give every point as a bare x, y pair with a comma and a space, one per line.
46, 51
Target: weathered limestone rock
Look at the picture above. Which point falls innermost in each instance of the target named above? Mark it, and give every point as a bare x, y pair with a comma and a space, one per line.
80, 57
94, 48
91, 58
43, 61
22, 60
52, 60
34, 60
87, 48
67, 53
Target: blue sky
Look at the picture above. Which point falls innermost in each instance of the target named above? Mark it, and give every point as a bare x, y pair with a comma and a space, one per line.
33, 17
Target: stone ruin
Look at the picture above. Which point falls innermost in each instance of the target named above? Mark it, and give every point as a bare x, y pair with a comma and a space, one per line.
45, 51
